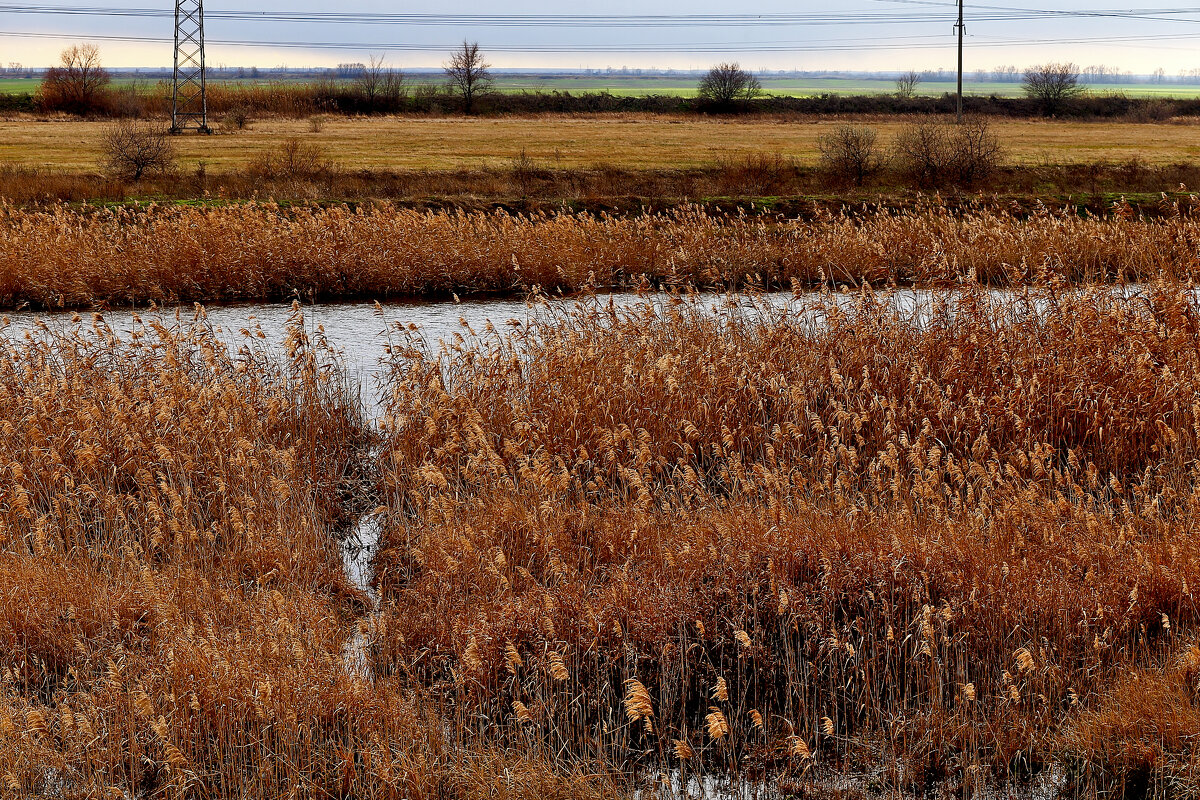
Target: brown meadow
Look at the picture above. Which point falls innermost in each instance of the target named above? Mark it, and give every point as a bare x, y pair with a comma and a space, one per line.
951, 546
61, 257
628, 141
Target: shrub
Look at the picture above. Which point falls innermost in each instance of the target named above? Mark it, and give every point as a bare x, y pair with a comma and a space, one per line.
237, 118
923, 152
756, 175
976, 152
933, 153
850, 153
131, 149
292, 160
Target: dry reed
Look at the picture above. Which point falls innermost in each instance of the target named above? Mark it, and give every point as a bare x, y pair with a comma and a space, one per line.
60, 257
841, 535
949, 543
173, 609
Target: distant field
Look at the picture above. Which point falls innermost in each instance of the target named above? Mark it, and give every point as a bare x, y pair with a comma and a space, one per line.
634, 141
636, 86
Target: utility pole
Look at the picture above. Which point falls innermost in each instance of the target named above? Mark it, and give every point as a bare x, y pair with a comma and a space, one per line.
960, 28
189, 106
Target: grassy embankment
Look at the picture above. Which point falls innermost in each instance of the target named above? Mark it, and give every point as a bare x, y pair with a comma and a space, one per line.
596, 162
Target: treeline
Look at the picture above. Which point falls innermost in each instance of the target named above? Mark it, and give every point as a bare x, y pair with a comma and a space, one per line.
351, 99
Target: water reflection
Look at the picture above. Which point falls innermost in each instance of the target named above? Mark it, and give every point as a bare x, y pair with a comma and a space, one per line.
360, 331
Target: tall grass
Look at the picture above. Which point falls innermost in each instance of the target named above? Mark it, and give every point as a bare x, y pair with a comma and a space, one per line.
948, 547
63, 257
933, 547
173, 610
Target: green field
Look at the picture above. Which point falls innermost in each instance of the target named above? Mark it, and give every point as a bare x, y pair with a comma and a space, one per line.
685, 85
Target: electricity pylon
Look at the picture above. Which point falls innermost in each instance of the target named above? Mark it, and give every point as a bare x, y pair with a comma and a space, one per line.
189, 106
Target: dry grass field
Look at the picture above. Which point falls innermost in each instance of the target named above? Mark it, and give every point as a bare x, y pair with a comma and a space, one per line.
634, 141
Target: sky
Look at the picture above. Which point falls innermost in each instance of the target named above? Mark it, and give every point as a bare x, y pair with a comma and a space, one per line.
847, 35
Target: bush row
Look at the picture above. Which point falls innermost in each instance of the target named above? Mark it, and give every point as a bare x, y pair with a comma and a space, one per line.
332, 97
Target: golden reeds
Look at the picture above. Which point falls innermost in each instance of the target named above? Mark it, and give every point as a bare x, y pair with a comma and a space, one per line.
948, 542
64, 257
923, 538
173, 611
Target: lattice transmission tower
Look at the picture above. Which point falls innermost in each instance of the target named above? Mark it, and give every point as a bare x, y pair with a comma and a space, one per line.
189, 106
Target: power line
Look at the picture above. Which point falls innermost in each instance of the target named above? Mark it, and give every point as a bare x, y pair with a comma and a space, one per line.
791, 46
991, 14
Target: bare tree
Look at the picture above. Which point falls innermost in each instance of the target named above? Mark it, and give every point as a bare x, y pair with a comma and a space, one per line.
131, 149
394, 86
79, 83
469, 75
906, 84
851, 152
726, 83
1052, 85
369, 79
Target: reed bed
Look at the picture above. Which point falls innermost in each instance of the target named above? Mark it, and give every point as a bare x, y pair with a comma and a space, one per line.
173, 610
949, 549
61, 257
942, 549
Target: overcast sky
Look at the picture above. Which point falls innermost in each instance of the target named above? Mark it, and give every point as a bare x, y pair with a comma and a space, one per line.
856, 34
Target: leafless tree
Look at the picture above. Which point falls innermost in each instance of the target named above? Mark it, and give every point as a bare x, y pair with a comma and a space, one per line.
906, 84
1052, 85
394, 86
726, 83
131, 149
468, 74
369, 79
851, 152
78, 84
